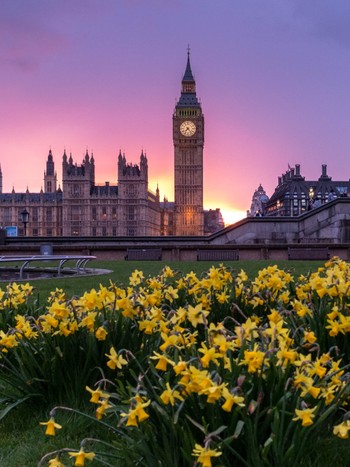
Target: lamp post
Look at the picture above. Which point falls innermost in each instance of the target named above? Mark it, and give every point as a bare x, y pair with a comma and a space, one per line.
278, 207
311, 197
25, 220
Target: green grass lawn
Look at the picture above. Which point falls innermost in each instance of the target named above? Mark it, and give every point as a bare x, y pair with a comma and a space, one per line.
22, 440
121, 270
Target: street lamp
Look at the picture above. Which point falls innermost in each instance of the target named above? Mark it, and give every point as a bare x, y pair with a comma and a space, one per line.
278, 207
311, 197
25, 220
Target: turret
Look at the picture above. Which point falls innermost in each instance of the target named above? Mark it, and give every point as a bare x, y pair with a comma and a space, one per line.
50, 176
132, 172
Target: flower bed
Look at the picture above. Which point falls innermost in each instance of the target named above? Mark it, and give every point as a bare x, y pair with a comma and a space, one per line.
187, 370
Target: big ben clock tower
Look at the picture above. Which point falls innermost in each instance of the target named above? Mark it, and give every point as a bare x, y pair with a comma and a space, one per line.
188, 136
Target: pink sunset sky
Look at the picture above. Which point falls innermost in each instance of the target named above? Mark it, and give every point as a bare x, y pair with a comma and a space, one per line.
104, 75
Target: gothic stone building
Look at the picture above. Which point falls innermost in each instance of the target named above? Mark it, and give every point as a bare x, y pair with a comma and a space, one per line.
82, 208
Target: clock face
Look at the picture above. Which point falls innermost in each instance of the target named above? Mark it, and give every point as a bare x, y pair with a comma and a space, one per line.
188, 128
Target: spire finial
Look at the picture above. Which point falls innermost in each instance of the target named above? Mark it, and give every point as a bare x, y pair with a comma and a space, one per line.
188, 76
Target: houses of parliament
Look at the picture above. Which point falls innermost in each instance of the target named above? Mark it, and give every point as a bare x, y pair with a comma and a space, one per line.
80, 207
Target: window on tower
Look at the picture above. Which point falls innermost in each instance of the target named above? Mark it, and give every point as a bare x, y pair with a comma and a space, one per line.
188, 87
35, 214
49, 215
6, 215
75, 213
130, 213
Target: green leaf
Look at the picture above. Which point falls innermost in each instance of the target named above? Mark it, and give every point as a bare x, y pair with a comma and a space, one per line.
201, 427
218, 431
238, 429
12, 405
177, 413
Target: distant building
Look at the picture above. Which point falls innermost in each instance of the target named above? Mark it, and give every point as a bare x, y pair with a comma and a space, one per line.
167, 217
128, 207
213, 221
294, 195
259, 200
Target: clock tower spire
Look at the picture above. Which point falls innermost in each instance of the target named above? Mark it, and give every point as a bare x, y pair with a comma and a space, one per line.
188, 137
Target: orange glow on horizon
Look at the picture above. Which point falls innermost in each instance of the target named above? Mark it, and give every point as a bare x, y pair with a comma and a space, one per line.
231, 215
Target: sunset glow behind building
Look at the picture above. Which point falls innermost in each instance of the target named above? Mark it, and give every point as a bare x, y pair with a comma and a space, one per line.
273, 78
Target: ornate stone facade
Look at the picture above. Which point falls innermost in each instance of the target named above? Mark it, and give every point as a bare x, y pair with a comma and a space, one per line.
80, 207
188, 136
259, 200
294, 195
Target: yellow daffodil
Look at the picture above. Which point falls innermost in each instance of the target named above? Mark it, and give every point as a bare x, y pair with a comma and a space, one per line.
171, 294
8, 341
222, 297
92, 300
59, 310
180, 367
231, 400
169, 395
310, 337
204, 455
275, 316
136, 414
213, 392
89, 320
172, 340
51, 427
96, 394
148, 326
327, 393
115, 360
196, 315
168, 272
127, 306
286, 355
209, 354
101, 410
223, 343
342, 430
305, 415
101, 333
318, 369
253, 359
81, 456
136, 277
55, 462
163, 361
